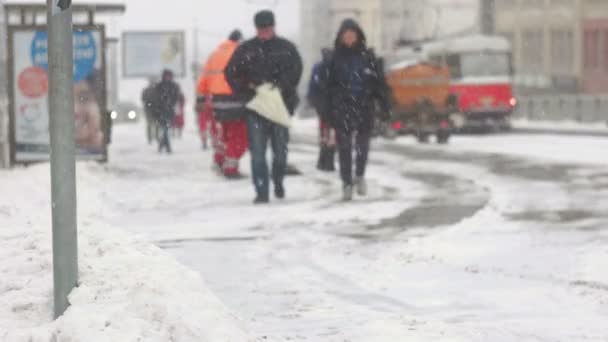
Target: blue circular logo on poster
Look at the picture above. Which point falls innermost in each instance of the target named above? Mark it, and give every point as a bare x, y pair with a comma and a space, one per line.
85, 53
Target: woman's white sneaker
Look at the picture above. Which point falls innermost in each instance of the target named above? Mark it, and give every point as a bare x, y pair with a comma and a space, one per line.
361, 185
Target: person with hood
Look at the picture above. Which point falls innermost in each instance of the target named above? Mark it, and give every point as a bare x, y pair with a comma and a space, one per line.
317, 90
168, 93
355, 84
266, 59
228, 109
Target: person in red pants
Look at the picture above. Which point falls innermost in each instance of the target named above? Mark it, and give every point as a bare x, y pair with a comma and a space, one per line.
236, 142
230, 132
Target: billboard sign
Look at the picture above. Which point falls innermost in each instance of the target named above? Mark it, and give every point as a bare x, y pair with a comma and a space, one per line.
147, 54
29, 85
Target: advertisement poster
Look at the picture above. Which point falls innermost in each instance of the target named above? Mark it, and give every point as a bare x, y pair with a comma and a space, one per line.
30, 85
147, 54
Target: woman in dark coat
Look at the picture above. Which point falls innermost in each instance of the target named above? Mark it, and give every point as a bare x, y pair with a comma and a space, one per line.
355, 83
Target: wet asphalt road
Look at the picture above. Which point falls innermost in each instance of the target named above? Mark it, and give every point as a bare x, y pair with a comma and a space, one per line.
581, 183
454, 198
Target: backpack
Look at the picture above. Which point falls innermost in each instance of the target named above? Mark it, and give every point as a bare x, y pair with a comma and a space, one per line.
319, 86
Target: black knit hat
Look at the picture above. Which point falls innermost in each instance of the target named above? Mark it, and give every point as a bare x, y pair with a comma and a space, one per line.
236, 36
264, 19
167, 73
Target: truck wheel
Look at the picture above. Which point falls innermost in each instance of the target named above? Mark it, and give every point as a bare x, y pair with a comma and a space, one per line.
443, 137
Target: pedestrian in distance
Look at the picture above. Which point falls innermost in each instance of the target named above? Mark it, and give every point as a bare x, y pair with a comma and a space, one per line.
317, 90
266, 59
228, 108
356, 85
168, 93
149, 101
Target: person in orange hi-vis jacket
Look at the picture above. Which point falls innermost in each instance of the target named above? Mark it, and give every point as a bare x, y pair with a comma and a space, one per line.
228, 110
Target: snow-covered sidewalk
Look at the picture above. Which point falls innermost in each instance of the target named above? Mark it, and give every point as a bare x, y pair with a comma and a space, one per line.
129, 290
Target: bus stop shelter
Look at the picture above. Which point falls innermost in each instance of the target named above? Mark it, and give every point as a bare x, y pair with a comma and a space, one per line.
24, 117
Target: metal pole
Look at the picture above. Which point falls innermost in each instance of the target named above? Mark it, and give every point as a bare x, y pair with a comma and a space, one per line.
63, 168
196, 64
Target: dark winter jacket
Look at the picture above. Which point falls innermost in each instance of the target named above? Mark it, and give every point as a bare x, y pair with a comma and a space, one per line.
149, 99
168, 93
356, 84
275, 61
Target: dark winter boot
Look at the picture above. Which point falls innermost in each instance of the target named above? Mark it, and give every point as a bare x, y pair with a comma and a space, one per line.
322, 158
330, 159
234, 175
260, 200
279, 191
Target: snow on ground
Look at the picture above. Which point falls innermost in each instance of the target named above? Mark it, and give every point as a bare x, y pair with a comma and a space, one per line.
487, 239
433, 255
129, 290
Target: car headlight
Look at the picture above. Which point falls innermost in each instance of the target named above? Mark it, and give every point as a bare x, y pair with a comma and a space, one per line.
132, 115
114, 115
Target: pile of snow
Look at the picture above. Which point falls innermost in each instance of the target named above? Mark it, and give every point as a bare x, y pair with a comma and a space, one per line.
128, 289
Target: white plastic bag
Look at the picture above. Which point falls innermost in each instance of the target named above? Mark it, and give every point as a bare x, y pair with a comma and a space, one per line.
268, 102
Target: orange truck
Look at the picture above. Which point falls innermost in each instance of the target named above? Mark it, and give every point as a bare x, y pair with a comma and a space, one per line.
422, 102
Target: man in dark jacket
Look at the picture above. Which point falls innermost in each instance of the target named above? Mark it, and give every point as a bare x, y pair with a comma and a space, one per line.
355, 85
168, 93
266, 58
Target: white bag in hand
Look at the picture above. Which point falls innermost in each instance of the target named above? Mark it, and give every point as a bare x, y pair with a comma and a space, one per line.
269, 103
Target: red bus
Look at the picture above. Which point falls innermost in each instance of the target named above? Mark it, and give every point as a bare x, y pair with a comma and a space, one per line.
481, 76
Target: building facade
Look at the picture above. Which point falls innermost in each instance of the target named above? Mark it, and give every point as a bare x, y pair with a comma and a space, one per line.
594, 74
4, 122
3, 48
558, 45
386, 22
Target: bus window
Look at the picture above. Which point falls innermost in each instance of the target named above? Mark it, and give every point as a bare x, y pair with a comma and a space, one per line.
454, 64
485, 64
